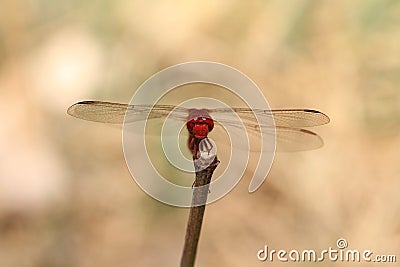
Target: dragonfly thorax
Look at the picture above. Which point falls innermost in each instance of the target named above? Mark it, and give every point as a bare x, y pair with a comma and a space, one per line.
199, 123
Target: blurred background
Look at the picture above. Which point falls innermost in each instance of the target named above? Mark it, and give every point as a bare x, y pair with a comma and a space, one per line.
66, 196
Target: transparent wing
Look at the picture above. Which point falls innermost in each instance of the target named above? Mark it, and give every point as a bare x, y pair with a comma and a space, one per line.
293, 139
114, 113
289, 135
283, 117
288, 122
288, 139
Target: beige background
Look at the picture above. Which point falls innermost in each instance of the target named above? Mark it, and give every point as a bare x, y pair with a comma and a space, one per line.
66, 196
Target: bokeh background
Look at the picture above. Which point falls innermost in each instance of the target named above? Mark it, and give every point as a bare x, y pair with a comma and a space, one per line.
66, 196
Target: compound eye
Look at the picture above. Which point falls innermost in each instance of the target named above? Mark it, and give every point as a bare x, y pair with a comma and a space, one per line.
190, 126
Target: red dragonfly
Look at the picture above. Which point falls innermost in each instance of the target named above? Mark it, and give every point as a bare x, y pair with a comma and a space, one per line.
199, 122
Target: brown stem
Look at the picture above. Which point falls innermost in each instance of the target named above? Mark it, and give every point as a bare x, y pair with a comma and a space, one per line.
200, 192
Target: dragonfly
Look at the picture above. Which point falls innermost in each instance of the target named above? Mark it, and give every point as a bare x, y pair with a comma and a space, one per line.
288, 123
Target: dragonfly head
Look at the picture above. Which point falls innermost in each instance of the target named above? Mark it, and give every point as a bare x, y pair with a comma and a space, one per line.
199, 123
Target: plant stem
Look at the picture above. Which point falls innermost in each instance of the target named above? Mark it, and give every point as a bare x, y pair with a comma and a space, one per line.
200, 193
